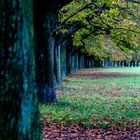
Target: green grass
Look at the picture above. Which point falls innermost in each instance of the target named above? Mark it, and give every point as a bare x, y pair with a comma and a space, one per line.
130, 70
98, 102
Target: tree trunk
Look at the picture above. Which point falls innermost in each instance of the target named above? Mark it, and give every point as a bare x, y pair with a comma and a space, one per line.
45, 44
45, 18
19, 117
68, 60
57, 67
63, 61
137, 63
69, 52
79, 61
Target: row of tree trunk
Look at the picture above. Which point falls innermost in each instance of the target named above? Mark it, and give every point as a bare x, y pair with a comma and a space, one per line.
26, 65
132, 63
33, 60
70, 60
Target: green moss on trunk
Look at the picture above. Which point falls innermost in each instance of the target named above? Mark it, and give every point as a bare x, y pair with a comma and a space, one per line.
19, 117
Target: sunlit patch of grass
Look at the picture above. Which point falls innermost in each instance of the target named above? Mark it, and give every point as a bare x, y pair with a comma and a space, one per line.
126, 70
104, 102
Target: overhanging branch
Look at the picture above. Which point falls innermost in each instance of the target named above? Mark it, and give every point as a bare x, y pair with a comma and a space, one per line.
79, 10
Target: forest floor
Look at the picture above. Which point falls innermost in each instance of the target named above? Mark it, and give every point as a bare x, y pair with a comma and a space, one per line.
95, 104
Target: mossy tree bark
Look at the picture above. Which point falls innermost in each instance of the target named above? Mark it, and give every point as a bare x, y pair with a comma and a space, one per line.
44, 21
45, 17
19, 117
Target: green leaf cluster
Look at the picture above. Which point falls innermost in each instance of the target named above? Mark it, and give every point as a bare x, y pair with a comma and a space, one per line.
114, 19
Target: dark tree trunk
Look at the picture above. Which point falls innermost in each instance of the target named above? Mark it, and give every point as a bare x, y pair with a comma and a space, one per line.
125, 64
57, 66
132, 63
85, 62
19, 116
63, 61
69, 51
45, 18
118, 63
45, 43
97, 63
79, 61
68, 60
137, 63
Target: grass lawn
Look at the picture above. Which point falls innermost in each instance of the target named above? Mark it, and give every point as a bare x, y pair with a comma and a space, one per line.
98, 97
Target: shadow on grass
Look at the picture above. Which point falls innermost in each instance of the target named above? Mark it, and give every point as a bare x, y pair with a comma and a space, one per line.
63, 104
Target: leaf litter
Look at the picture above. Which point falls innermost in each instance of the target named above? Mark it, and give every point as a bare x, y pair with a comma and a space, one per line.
100, 131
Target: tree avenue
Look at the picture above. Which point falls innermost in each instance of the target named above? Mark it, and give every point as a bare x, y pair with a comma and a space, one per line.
62, 36
111, 21
43, 41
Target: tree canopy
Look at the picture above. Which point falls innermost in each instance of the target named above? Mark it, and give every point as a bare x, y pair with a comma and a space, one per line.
117, 21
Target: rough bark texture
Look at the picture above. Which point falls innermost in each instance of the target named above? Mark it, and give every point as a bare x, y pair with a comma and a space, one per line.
44, 22
46, 13
19, 117
45, 17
